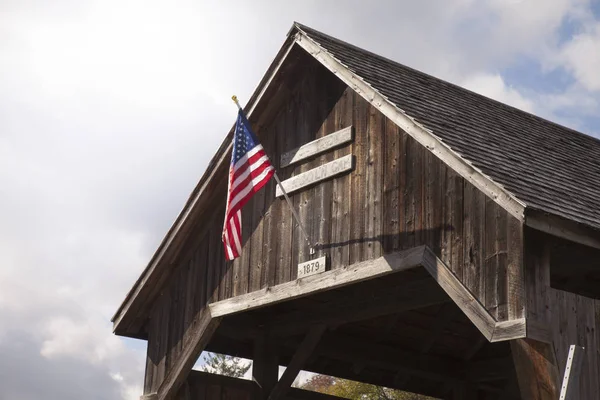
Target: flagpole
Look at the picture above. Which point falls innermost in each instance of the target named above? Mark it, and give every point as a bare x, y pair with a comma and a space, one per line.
287, 198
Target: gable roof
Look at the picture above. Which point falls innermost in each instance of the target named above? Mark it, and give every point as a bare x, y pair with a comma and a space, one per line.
548, 167
521, 161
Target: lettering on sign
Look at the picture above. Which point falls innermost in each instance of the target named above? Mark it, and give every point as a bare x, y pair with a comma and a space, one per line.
312, 267
315, 175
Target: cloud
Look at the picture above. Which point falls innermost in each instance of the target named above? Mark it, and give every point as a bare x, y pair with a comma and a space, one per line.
581, 57
493, 86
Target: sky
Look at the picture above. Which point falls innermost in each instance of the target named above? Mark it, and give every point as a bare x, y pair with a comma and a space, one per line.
111, 110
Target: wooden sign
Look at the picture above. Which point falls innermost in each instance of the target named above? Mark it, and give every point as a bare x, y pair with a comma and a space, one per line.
315, 175
312, 267
318, 146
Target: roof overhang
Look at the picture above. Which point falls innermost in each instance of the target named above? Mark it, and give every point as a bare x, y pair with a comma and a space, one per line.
132, 314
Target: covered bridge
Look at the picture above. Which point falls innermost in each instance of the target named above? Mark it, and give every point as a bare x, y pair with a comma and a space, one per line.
462, 239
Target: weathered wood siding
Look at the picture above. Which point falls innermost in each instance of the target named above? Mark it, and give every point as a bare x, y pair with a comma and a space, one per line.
576, 320
398, 196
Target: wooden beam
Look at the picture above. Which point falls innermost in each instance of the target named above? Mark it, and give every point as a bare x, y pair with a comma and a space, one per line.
463, 298
570, 383
316, 175
422, 135
318, 146
265, 364
337, 278
537, 371
563, 228
303, 353
196, 340
407, 296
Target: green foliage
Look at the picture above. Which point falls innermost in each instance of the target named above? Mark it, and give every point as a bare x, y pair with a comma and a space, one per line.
225, 365
356, 390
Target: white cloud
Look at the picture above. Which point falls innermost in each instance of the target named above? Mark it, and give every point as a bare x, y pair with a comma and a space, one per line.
581, 56
493, 86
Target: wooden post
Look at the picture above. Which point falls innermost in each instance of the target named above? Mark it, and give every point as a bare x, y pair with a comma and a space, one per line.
537, 371
535, 361
265, 365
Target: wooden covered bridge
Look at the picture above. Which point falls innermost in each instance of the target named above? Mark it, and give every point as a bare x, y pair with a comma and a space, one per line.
462, 239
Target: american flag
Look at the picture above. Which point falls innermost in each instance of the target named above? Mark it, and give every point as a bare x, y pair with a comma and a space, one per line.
249, 171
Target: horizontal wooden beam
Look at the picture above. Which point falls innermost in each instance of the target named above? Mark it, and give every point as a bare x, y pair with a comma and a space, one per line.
337, 278
318, 146
316, 175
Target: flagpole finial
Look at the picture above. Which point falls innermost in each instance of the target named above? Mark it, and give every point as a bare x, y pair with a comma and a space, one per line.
235, 100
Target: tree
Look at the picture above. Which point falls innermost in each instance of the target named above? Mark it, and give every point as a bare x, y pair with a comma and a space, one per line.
357, 390
222, 364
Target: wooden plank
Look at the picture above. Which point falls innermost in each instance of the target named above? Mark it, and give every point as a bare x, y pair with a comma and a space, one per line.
196, 340
409, 188
340, 197
316, 147
256, 266
285, 234
501, 257
316, 175
536, 367
359, 149
474, 211
374, 182
318, 283
301, 356
391, 183
572, 377
490, 258
515, 275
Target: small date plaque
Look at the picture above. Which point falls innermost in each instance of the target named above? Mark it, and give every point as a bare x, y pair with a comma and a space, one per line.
312, 267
